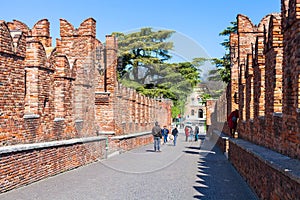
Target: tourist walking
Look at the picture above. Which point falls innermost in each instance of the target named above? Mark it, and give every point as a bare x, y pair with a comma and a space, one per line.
175, 134
187, 133
156, 132
196, 133
165, 133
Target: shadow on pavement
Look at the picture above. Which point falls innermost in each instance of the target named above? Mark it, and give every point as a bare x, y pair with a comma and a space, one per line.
150, 150
197, 148
218, 179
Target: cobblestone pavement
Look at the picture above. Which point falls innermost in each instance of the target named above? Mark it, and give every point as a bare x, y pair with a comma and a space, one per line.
190, 170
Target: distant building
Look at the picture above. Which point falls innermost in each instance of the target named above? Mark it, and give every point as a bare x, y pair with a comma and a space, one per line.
195, 109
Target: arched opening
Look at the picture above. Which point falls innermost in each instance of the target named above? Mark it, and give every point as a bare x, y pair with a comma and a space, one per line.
200, 113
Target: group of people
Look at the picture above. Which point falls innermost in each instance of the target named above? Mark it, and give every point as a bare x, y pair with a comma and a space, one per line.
159, 133
190, 133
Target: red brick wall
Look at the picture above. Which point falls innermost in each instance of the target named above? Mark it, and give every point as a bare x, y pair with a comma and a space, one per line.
56, 94
265, 180
291, 80
268, 102
268, 97
22, 168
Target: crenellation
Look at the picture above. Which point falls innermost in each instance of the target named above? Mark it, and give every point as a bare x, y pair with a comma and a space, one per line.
268, 85
66, 29
6, 41
65, 92
41, 32
88, 28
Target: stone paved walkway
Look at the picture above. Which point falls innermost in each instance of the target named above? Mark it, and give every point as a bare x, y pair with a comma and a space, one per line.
190, 170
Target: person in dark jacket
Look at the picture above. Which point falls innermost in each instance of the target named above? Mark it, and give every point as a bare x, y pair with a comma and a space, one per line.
156, 132
196, 133
165, 133
175, 134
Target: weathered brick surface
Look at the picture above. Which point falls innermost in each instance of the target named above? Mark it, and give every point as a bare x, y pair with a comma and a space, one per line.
62, 93
265, 84
22, 168
267, 181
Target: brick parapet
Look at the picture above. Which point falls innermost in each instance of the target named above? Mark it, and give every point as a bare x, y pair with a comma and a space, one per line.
291, 81
51, 94
271, 175
41, 32
275, 122
273, 85
247, 33
25, 167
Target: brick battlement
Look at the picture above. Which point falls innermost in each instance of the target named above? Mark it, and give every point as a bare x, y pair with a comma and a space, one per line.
64, 93
265, 88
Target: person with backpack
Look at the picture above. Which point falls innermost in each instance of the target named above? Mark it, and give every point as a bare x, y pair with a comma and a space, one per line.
156, 132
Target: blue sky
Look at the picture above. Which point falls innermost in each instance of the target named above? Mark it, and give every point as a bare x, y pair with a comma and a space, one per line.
198, 22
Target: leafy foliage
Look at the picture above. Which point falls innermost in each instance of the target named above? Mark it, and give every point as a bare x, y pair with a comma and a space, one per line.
223, 64
144, 66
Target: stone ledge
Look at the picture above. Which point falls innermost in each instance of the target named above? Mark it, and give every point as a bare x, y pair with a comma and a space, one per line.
36, 146
31, 116
103, 93
222, 140
284, 164
58, 119
106, 133
133, 135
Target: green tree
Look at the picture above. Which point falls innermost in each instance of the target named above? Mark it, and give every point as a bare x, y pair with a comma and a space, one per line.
144, 66
142, 53
223, 64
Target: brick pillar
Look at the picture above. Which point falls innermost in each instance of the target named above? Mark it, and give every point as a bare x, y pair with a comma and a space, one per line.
247, 33
35, 58
291, 78
111, 63
62, 94
147, 113
138, 111
143, 107
234, 74
79, 46
249, 87
273, 105
259, 78
259, 90
132, 110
